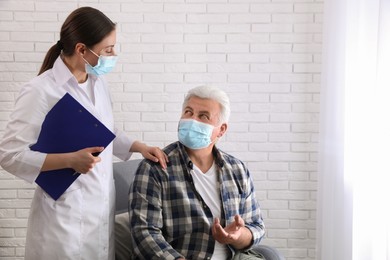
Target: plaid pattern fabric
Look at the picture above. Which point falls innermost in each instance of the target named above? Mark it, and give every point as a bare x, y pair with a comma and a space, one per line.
169, 219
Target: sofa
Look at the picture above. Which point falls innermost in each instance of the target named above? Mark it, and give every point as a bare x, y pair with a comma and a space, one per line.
123, 175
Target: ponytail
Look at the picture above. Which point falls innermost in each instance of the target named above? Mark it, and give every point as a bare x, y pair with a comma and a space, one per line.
51, 57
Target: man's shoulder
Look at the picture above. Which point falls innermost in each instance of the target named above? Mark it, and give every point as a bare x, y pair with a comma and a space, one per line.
172, 149
230, 159
173, 152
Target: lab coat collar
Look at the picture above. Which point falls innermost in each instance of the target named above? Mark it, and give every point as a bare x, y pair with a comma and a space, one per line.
62, 74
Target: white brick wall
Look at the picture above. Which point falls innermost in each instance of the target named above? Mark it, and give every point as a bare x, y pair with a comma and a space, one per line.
265, 53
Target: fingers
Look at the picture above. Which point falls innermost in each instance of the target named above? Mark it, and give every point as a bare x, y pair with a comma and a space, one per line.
95, 151
219, 232
162, 158
85, 159
157, 155
216, 226
230, 233
239, 221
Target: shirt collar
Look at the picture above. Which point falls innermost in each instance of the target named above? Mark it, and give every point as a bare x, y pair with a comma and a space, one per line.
216, 153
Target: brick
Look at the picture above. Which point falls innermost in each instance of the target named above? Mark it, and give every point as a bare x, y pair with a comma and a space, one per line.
250, 18
185, 8
162, 38
225, 48
207, 18
272, 8
186, 28
165, 18
228, 8
35, 16
17, 6
142, 8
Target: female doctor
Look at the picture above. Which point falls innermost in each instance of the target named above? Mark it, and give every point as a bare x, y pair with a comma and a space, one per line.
79, 225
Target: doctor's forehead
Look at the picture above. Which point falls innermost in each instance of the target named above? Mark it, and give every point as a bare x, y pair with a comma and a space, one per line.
107, 42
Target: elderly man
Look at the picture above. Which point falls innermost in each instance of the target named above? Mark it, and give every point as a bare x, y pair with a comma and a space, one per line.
203, 205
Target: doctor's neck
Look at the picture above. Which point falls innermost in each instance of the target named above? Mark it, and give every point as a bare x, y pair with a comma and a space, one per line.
75, 68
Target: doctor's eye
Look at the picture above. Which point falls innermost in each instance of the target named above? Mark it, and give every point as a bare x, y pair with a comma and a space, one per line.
109, 50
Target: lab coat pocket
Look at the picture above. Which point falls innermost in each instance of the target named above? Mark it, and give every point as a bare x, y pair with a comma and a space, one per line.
57, 224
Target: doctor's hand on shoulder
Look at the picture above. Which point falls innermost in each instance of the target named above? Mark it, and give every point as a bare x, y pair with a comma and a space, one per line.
152, 153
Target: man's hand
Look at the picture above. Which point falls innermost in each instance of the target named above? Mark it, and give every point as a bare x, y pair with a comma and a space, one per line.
235, 234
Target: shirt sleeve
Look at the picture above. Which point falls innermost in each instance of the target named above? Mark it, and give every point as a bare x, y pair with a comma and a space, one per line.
146, 217
21, 132
252, 213
239, 198
121, 145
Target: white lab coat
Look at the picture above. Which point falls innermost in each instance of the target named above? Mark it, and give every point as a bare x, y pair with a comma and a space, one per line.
79, 225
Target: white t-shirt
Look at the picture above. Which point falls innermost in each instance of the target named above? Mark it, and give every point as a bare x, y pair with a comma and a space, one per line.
208, 187
88, 89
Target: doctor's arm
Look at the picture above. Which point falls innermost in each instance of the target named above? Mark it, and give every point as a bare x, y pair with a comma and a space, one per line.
23, 130
123, 147
82, 161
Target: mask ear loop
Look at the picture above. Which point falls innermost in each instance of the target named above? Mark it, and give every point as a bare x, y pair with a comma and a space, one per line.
94, 53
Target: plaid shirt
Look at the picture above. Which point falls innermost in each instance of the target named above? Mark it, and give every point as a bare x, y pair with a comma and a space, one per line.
168, 217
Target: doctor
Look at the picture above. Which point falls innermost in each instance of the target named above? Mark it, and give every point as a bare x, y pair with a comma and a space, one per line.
79, 225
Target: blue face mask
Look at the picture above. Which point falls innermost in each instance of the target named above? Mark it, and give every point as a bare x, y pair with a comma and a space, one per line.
194, 134
105, 65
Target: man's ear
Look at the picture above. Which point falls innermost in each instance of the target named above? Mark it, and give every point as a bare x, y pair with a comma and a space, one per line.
222, 130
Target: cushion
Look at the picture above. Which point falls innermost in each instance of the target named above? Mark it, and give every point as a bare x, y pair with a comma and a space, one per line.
123, 174
122, 237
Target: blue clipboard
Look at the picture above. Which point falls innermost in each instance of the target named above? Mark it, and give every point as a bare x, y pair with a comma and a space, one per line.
68, 127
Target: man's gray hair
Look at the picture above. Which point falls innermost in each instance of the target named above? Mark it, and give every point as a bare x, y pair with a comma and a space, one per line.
213, 93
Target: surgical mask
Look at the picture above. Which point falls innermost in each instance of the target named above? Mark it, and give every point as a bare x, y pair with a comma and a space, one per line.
105, 65
194, 134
